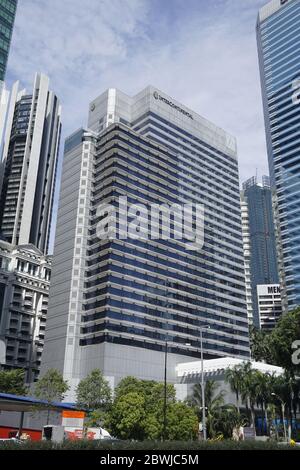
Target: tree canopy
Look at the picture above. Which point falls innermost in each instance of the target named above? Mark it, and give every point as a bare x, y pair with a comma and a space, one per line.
127, 418
276, 347
182, 422
137, 412
94, 392
51, 387
13, 381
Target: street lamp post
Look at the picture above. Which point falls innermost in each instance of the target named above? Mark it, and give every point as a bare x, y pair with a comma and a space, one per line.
291, 422
283, 413
204, 429
203, 387
164, 434
165, 394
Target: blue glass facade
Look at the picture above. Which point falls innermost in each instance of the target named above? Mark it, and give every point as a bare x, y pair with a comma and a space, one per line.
278, 33
7, 19
263, 259
157, 290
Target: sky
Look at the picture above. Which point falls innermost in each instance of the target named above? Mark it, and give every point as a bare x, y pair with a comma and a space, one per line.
202, 53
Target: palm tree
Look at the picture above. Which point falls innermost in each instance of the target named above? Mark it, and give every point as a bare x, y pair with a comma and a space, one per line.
263, 395
296, 397
249, 389
213, 403
227, 419
280, 397
287, 391
271, 408
234, 377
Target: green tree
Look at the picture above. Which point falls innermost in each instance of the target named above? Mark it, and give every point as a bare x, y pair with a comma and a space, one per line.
285, 395
265, 390
264, 397
145, 419
234, 377
276, 347
127, 385
182, 422
51, 388
226, 419
259, 344
282, 338
271, 413
13, 382
249, 390
213, 403
152, 427
151, 390
153, 396
97, 418
253, 387
127, 416
94, 392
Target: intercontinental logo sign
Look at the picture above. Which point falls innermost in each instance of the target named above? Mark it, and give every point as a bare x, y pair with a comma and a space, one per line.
157, 96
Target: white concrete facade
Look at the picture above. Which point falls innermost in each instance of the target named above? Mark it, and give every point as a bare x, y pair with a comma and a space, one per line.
29, 163
24, 291
269, 305
115, 106
188, 374
247, 255
272, 7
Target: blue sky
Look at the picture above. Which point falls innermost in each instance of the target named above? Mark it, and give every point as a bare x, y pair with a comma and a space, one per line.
201, 52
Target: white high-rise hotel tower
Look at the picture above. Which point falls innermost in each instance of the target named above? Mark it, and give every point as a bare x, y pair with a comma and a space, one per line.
115, 303
29, 163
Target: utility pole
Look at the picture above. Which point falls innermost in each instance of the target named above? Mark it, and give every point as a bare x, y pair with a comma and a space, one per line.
204, 430
165, 394
203, 387
282, 412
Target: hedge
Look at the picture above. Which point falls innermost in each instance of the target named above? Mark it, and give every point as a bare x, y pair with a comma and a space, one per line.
148, 446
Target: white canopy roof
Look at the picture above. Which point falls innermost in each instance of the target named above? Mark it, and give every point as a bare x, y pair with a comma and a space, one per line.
218, 366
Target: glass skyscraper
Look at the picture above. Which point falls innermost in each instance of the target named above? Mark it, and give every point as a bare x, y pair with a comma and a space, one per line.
115, 303
261, 234
278, 34
7, 17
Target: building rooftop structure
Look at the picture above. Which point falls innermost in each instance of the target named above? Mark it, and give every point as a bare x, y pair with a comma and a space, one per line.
218, 366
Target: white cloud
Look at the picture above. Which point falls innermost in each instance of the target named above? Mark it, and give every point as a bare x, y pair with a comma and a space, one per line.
74, 42
207, 61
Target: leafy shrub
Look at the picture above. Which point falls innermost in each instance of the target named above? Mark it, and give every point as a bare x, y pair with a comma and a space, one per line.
149, 445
